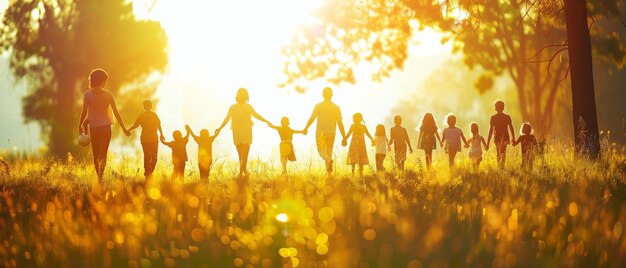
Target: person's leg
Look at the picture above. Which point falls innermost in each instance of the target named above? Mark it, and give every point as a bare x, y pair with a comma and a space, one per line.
154, 156
429, 158
96, 138
501, 151
330, 142
379, 162
145, 147
361, 170
104, 149
243, 150
284, 163
352, 166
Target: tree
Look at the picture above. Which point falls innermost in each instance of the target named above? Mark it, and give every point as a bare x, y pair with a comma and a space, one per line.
54, 45
586, 134
521, 39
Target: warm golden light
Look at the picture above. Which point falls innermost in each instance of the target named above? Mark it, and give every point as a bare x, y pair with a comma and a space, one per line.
282, 217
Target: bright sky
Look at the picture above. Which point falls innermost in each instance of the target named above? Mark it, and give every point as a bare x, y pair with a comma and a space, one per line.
217, 47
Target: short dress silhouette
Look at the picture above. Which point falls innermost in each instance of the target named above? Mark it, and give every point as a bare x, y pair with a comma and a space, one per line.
428, 141
286, 146
475, 151
357, 153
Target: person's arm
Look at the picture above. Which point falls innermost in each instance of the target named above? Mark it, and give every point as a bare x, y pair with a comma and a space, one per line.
512, 130
299, 131
311, 119
443, 137
190, 132
408, 141
369, 136
340, 123
491, 128
83, 115
186, 138
136, 124
345, 138
516, 142
166, 143
482, 140
439, 139
118, 117
226, 119
162, 137
464, 139
258, 116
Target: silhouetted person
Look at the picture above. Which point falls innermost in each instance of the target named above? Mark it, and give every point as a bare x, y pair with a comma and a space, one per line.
328, 117
529, 145
205, 151
399, 138
500, 125
150, 125
179, 153
97, 106
357, 152
476, 146
452, 137
428, 137
240, 115
285, 132
380, 138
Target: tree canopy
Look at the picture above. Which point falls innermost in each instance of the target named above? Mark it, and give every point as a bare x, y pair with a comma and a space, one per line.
53, 45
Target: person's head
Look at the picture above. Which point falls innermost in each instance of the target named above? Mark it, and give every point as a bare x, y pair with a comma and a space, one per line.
380, 130
499, 105
204, 133
147, 105
242, 95
527, 129
284, 122
327, 93
98, 78
474, 128
357, 118
451, 120
397, 120
429, 121
177, 135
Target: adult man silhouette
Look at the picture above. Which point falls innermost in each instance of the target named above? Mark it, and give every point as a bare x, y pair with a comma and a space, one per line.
328, 117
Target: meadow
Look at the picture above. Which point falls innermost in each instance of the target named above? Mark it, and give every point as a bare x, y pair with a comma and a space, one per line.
566, 212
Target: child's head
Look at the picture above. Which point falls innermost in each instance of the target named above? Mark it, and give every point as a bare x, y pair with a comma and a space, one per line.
397, 120
242, 95
98, 78
357, 118
499, 106
429, 120
177, 135
526, 129
284, 122
451, 120
474, 128
380, 131
147, 105
204, 133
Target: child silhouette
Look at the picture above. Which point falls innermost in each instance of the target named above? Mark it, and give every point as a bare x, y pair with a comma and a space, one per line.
150, 124
285, 132
205, 151
179, 153
476, 142
500, 125
428, 137
399, 138
381, 147
452, 137
529, 145
357, 153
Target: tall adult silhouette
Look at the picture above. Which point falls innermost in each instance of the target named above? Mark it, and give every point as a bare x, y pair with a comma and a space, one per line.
97, 106
240, 115
328, 117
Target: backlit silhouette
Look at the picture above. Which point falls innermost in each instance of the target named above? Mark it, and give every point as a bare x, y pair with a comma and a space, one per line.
399, 138
97, 106
150, 124
328, 117
357, 153
529, 145
380, 138
452, 137
179, 153
476, 143
499, 127
205, 151
287, 153
428, 137
240, 117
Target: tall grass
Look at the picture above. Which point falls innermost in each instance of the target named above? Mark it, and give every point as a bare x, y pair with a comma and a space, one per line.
567, 211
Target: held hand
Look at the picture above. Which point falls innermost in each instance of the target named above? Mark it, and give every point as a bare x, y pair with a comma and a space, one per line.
80, 131
187, 127
344, 143
217, 131
373, 143
410, 150
161, 138
127, 133
305, 131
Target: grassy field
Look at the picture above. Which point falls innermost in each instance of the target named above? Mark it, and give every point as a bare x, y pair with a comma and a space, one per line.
565, 212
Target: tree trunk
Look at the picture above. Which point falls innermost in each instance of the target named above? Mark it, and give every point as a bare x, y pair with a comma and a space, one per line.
64, 123
586, 136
